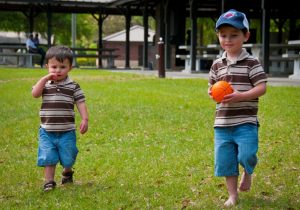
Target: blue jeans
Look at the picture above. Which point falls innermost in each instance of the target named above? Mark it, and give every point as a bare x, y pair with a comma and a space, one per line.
57, 147
233, 146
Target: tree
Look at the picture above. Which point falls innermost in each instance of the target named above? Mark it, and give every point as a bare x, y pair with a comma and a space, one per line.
87, 26
13, 21
61, 26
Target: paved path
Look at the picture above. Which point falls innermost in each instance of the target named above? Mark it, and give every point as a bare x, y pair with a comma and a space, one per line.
273, 81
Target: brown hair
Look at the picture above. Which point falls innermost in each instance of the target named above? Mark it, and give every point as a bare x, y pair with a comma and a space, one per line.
244, 30
60, 53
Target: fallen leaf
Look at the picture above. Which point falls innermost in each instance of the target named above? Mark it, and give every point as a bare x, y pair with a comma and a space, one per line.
185, 203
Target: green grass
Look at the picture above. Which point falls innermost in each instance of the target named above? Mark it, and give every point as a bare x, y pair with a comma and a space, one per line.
149, 146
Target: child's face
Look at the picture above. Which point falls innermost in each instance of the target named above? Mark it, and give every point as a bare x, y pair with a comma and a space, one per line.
232, 39
60, 69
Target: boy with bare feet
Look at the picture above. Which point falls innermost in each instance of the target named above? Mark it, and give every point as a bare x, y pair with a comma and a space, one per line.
236, 124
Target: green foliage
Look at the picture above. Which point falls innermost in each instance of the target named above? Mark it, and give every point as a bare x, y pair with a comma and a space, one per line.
61, 26
86, 28
113, 23
149, 146
86, 61
13, 21
205, 30
137, 20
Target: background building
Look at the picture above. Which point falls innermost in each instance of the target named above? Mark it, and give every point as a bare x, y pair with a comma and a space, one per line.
117, 41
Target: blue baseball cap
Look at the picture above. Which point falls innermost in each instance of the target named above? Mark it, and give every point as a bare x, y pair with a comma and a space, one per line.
234, 18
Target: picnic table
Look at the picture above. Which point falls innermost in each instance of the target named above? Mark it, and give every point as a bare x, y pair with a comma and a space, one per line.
203, 54
199, 58
256, 48
279, 63
295, 56
16, 53
106, 53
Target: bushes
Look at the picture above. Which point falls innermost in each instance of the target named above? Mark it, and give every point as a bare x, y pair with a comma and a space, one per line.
86, 61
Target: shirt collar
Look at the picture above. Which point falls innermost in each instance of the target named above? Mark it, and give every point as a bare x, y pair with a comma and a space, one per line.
67, 80
244, 54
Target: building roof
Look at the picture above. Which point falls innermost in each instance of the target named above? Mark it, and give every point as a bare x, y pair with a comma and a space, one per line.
204, 8
136, 34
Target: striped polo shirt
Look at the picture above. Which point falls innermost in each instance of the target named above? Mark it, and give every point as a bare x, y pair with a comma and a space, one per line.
57, 110
243, 74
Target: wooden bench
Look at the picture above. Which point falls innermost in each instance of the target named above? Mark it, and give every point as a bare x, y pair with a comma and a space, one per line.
27, 58
187, 66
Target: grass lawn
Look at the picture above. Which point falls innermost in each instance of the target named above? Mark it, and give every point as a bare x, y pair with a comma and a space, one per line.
149, 146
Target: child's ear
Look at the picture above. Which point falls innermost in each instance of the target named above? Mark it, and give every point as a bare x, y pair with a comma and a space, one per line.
70, 65
247, 35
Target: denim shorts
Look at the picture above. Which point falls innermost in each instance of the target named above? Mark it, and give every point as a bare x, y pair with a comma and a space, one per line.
57, 147
233, 146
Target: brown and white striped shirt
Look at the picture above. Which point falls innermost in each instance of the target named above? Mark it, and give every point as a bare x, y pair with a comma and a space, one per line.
243, 74
57, 110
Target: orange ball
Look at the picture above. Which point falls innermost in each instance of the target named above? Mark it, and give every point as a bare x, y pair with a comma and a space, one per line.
220, 89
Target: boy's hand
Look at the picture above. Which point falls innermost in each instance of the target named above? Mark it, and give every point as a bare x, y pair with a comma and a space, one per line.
52, 76
233, 97
251, 94
37, 89
209, 92
84, 117
84, 126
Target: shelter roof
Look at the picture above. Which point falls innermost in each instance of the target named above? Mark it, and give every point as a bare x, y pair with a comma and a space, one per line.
60, 6
136, 35
205, 8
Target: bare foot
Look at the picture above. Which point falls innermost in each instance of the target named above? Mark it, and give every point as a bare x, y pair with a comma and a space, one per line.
245, 183
232, 200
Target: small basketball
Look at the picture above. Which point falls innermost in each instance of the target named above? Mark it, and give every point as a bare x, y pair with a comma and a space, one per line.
220, 89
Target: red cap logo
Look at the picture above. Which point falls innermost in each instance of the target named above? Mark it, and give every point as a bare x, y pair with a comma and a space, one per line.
229, 15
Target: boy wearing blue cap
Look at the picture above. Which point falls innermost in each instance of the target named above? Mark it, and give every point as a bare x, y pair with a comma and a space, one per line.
236, 124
